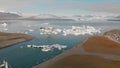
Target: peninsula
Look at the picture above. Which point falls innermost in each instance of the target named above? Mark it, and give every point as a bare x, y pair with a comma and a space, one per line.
8, 39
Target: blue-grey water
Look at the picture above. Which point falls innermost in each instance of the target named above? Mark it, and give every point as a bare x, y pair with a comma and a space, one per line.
19, 56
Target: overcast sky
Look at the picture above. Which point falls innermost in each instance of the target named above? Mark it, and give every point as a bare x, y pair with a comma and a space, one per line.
64, 7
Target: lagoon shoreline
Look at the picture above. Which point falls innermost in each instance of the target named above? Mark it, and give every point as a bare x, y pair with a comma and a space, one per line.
9, 39
98, 48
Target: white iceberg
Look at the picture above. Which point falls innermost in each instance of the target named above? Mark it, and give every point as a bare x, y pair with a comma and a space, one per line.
46, 48
74, 30
49, 30
4, 24
31, 30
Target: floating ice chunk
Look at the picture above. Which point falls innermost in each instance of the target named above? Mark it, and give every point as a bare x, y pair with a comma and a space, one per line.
46, 48
26, 32
4, 24
29, 45
31, 30
5, 29
74, 30
59, 47
49, 30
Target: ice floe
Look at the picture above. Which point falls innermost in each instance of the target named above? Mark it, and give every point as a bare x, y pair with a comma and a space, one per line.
25, 32
74, 30
31, 30
45, 24
46, 48
49, 30
5, 29
4, 24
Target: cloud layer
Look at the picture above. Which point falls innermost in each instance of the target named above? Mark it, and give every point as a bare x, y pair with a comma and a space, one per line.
60, 5
8, 4
100, 7
105, 7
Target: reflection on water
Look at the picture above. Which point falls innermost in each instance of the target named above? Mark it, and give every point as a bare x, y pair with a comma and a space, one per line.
27, 57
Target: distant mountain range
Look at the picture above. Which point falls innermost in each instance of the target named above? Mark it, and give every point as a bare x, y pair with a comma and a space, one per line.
117, 18
19, 16
47, 17
9, 15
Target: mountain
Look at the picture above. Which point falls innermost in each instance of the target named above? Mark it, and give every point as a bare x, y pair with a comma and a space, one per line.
9, 15
47, 17
44, 16
93, 17
5, 15
115, 18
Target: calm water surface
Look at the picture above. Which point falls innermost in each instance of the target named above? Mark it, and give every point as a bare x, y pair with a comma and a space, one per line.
19, 56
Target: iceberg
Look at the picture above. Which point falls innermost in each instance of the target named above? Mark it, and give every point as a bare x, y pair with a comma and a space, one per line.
46, 48
74, 30
49, 30
4, 24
